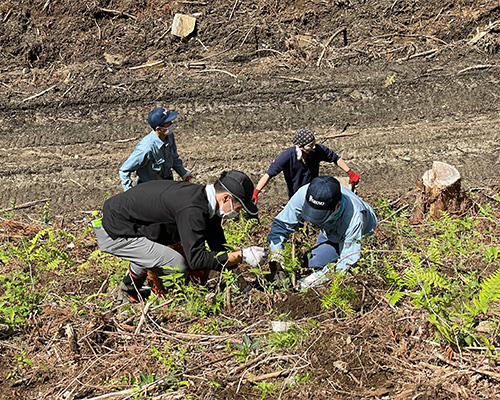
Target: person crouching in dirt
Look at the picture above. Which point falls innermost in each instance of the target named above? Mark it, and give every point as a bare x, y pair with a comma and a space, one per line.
163, 227
343, 218
300, 164
155, 155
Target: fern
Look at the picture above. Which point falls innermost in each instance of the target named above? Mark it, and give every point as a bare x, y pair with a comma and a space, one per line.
394, 297
490, 291
434, 278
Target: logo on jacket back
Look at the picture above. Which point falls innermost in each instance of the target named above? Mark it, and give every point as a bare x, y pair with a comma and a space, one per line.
316, 202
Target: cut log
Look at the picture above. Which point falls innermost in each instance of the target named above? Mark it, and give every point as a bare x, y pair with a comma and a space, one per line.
440, 191
183, 25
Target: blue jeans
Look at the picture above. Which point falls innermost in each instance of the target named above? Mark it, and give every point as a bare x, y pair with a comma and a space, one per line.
325, 252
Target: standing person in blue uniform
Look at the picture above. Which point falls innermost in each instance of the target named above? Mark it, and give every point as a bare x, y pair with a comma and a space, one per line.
155, 155
343, 218
300, 164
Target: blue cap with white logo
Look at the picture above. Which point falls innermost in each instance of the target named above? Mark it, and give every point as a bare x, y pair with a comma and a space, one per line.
159, 116
322, 197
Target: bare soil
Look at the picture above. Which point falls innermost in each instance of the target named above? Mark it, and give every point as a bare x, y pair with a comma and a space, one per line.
401, 84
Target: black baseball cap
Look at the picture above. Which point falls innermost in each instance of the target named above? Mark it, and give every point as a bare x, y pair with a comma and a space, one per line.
241, 188
322, 196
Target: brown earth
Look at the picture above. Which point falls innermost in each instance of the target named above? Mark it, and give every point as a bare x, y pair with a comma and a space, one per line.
405, 83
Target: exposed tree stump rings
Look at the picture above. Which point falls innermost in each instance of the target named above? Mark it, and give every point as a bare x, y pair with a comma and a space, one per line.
441, 189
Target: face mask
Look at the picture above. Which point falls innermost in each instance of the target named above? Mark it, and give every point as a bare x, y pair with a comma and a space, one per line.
230, 214
334, 216
169, 130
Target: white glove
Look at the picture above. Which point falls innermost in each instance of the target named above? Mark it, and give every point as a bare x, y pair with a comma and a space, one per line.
254, 255
277, 256
315, 279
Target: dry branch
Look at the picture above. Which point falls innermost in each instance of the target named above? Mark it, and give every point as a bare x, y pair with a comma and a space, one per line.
264, 377
477, 67
291, 78
39, 94
341, 135
218, 70
340, 30
484, 32
114, 395
248, 364
25, 205
422, 54
119, 13
151, 64
143, 315
490, 374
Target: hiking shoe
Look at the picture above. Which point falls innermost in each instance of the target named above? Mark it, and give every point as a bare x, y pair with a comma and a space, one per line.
125, 295
156, 282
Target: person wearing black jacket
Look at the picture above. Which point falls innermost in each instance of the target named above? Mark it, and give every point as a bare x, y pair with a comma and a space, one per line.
143, 224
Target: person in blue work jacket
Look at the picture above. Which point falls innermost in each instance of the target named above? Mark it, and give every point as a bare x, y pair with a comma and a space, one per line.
343, 218
155, 155
300, 164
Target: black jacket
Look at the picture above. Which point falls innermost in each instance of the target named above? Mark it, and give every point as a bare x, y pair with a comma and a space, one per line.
169, 212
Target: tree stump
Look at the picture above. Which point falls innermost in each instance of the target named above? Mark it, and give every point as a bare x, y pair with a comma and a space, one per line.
183, 25
439, 191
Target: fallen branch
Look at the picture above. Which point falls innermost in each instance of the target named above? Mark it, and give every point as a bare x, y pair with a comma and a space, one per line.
127, 140
113, 395
232, 11
119, 13
471, 369
271, 50
484, 32
394, 213
341, 135
328, 44
264, 377
143, 315
218, 70
291, 78
151, 64
25, 205
422, 54
67, 91
39, 94
248, 364
7, 16
477, 67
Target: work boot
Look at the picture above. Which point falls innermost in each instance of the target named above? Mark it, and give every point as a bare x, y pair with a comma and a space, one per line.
154, 277
128, 292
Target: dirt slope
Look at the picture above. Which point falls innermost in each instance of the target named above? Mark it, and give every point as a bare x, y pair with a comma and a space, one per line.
404, 79
402, 83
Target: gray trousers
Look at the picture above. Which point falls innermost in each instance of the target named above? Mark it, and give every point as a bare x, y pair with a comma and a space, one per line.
142, 253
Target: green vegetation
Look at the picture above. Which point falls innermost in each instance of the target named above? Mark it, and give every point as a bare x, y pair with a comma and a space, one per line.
437, 266
449, 269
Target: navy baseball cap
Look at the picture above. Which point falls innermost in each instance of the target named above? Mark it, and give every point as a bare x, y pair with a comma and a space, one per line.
322, 196
241, 188
159, 116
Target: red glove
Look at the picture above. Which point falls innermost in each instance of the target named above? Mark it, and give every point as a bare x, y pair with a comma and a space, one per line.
353, 177
188, 178
255, 194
